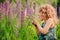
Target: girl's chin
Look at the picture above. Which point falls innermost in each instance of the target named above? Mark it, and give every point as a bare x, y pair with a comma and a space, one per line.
41, 19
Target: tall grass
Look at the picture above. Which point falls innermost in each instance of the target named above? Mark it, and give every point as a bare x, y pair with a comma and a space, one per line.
12, 18
58, 31
9, 28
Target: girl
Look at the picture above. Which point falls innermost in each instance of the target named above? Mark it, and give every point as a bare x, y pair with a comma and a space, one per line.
48, 15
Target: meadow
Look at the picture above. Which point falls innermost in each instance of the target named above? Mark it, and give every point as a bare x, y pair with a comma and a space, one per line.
16, 17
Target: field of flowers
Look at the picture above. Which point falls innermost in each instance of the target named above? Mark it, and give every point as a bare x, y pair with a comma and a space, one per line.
16, 17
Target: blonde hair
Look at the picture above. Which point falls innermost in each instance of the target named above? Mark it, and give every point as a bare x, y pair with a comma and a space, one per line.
49, 11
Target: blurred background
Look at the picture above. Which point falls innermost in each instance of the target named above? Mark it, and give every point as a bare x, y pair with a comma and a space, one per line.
16, 17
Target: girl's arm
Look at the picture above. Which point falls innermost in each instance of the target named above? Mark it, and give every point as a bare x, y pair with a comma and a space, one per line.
37, 30
46, 28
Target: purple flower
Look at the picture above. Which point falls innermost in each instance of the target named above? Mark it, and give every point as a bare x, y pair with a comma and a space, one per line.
18, 4
9, 10
0, 6
14, 10
5, 5
22, 17
29, 12
0, 10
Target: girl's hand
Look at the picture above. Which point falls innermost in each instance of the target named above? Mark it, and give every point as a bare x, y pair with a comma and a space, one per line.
34, 22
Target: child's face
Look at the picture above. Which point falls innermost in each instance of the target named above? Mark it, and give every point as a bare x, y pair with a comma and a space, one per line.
42, 16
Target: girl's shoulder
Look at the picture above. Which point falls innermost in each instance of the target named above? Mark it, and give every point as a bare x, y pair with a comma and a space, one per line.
47, 22
50, 20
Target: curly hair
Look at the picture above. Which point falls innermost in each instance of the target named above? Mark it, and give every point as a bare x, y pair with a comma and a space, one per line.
49, 11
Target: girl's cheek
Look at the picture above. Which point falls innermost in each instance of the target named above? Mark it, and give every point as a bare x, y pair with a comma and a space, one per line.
40, 17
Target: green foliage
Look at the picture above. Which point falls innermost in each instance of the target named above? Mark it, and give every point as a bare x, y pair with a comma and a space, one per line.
14, 1
58, 31
58, 2
2, 1
6, 29
28, 32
